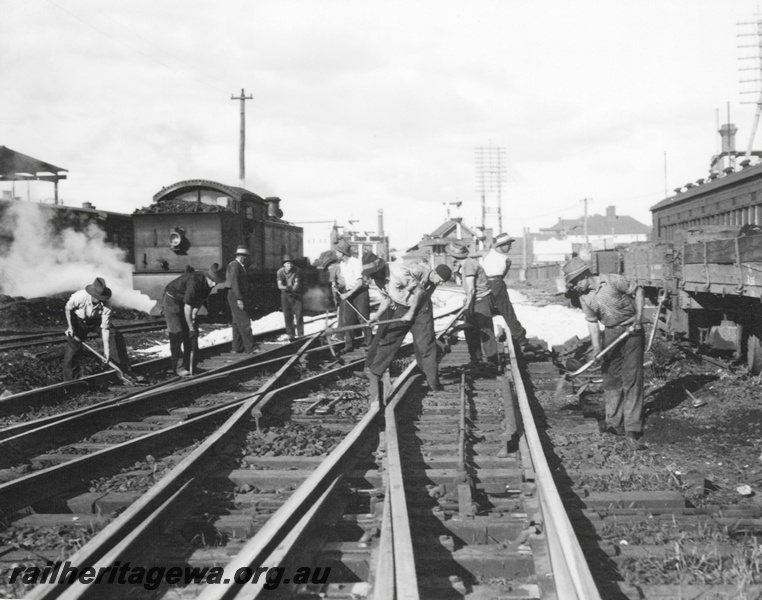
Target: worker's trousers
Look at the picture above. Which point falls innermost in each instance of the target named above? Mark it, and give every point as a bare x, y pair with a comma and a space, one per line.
291, 305
389, 338
360, 303
622, 372
180, 343
243, 340
73, 348
480, 333
505, 308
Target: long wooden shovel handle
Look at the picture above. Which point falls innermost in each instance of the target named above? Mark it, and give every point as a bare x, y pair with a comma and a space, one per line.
627, 333
111, 364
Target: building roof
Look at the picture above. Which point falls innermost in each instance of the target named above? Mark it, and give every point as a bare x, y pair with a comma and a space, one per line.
599, 225
694, 190
15, 166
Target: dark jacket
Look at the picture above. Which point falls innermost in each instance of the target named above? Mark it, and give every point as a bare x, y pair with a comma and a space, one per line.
238, 280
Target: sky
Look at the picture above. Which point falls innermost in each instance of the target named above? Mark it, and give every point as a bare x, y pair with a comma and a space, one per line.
359, 106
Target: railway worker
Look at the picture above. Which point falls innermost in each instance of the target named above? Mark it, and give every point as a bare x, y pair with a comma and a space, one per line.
182, 300
86, 311
496, 264
238, 280
289, 279
480, 306
616, 303
353, 294
406, 294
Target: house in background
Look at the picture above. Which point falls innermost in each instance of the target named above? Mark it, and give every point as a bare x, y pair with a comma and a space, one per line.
603, 231
431, 248
318, 237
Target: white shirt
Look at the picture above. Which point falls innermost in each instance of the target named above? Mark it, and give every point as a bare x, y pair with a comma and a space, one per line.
351, 271
81, 303
495, 264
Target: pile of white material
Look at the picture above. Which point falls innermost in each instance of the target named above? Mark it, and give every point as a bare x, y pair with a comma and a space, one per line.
553, 323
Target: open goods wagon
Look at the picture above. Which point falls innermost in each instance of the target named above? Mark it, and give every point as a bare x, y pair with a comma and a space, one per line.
713, 280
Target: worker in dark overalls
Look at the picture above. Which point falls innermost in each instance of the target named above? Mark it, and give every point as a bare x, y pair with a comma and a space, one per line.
86, 311
289, 279
406, 295
616, 303
182, 300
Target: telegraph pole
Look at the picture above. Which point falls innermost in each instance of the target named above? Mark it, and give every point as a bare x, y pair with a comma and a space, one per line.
241, 160
587, 238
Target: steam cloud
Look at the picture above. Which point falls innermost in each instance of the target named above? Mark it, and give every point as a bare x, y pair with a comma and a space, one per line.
39, 261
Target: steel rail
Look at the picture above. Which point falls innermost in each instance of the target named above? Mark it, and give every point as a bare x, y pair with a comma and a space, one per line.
142, 515
42, 396
573, 579
25, 439
258, 551
38, 485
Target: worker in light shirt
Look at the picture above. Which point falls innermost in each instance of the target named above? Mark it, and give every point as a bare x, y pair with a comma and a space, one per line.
354, 295
86, 311
496, 264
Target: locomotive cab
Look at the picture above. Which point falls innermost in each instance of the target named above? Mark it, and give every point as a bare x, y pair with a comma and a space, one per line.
193, 224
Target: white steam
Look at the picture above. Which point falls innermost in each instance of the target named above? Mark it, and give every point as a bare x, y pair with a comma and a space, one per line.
41, 262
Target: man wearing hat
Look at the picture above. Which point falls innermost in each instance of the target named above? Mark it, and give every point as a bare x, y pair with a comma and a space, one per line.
353, 294
87, 310
289, 279
479, 303
182, 300
238, 279
496, 263
616, 303
406, 294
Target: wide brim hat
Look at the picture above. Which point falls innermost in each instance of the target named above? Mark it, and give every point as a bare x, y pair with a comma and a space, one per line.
456, 250
574, 268
502, 240
215, 273
242, 250
343, 246
287, 258
372, 264
98, 290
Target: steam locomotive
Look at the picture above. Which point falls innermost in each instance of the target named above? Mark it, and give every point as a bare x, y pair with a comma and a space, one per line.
195, 223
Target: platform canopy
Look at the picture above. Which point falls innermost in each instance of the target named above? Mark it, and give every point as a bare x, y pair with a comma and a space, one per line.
15, 166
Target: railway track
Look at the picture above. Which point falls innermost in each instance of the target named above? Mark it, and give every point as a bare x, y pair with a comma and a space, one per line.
456, 493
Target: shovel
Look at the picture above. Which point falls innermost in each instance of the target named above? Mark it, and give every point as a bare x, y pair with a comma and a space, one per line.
329, 331
662, 298
127, 380
569, 376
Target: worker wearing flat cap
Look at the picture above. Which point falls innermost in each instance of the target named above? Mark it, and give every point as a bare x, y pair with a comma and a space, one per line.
479, 304
86, 311
182, 301
352, 293
238, 280
406, 295
496, 264
616, 303
289, 279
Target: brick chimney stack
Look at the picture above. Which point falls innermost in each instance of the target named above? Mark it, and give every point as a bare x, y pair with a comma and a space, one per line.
728, 135
611, 212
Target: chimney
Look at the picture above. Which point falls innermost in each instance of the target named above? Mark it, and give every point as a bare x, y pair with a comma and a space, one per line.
728, 135
273, 207
611, 212
381, 222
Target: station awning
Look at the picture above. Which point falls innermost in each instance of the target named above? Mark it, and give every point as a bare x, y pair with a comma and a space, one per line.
15, 166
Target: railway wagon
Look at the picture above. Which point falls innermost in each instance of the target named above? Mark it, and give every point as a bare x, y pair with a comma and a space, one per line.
712, 277
197, 223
